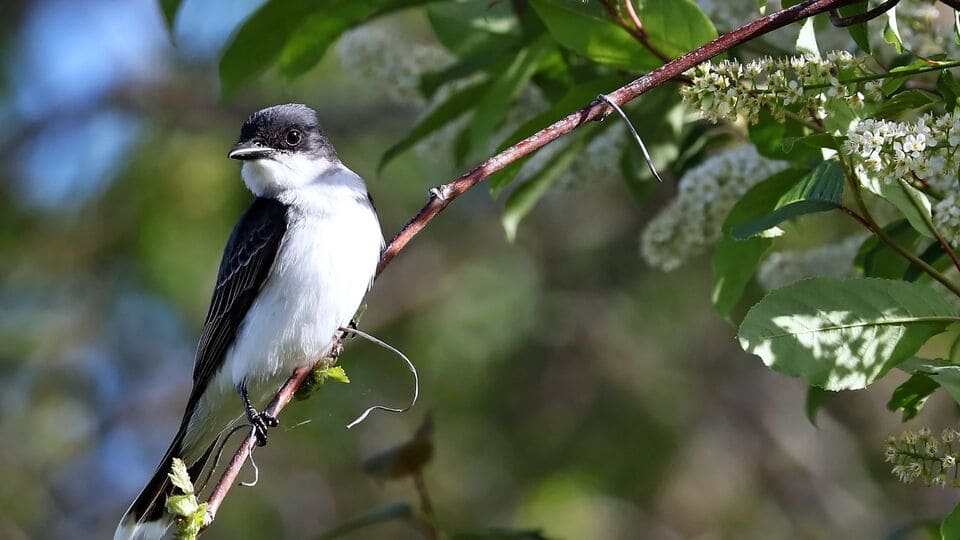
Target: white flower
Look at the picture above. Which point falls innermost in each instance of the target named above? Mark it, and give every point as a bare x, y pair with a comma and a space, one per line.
831, 260
692, 221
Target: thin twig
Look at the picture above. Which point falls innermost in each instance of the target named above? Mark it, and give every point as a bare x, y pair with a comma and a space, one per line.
444, 195
635, 29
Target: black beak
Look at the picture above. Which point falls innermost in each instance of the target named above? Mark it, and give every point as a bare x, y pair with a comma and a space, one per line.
249, 150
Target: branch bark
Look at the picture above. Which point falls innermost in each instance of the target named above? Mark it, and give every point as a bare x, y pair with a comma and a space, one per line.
442, 196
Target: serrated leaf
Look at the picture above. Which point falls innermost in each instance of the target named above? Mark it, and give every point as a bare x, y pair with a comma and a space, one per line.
591, 34
913, 204
442, 114
675, 27
526, 196
818, 191
735, 261
843, 334
385, 513
891, 32
807, 40
180, 477
182, 505
502, 92
336, 373
910, 396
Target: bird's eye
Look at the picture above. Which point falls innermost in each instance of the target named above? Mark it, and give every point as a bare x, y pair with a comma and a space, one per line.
293, 137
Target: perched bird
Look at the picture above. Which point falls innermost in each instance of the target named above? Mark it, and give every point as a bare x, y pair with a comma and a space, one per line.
296, 268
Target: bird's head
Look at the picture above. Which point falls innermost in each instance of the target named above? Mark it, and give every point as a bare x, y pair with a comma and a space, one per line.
282, 147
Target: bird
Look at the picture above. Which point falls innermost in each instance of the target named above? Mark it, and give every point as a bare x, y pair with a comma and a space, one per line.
295, 269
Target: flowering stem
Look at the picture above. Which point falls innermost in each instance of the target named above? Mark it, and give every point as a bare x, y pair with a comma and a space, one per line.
872, 77
865, 219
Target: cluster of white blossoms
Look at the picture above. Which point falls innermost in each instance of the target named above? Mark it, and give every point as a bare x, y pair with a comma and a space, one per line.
925, 29
830, 260
921, 456
693, 220
803, 85
925, 150
384, 58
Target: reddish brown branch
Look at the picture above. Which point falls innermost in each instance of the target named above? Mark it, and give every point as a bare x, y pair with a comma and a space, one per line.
442, 196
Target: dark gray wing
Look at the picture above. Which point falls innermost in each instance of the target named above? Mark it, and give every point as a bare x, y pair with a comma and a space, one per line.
246, 263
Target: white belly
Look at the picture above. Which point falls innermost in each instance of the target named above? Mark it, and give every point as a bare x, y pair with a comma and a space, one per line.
323, 269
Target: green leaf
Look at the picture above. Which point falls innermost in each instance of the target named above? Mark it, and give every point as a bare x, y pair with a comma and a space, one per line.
946, 374
858, 32
169, 9
877, 259
911, 395
297, 33
501, 93
908, 102
468, 28
591, 34
525, 197
807, 40
675, 27
336, 373
815, 399
735, 261
935, 256
843, 335
912, 203
441, 115
179, 476
307, 43
891, 32
577, 97
771, 136
395, 511
949, 90
950, 526
818, 191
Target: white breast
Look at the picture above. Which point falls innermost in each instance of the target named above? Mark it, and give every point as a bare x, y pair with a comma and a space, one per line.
324, 267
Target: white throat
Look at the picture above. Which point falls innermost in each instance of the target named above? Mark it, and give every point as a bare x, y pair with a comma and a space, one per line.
272, 176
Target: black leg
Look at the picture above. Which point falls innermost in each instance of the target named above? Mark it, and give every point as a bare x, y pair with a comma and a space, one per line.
260, 420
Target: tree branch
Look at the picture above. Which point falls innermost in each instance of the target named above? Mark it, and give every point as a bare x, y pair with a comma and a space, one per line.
442, 196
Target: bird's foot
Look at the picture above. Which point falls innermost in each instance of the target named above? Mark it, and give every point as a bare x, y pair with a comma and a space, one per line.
260, 420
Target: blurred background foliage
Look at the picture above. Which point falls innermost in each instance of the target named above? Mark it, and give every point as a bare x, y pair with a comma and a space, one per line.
573, 390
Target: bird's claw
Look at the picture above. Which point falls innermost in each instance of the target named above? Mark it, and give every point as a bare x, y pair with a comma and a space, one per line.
262, 421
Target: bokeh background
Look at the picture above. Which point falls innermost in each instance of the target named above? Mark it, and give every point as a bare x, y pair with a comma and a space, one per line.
573, 389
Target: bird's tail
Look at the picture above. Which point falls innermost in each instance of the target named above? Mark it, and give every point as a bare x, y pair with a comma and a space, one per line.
147, 519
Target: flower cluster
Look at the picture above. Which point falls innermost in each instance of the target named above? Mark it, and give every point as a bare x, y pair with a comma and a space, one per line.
924, 30
798, 84
693, 220
383, 57
830, 260
926, 148
921, 456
